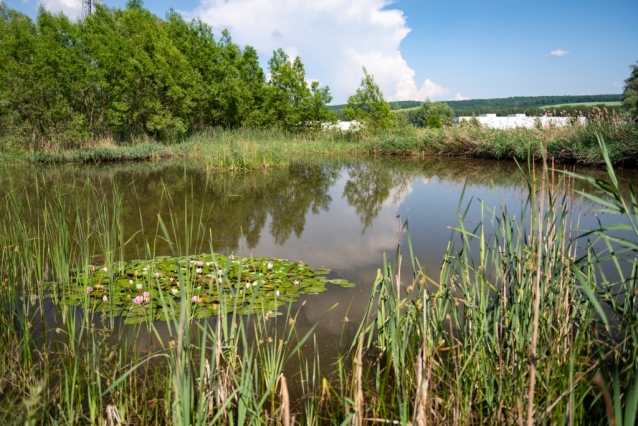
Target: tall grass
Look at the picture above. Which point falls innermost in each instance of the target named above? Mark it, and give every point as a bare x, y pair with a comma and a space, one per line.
245, 149
522, 324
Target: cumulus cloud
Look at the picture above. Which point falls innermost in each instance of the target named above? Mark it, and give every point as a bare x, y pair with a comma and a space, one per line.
559, 52
618, 85
71, 8
459, 97
334, 38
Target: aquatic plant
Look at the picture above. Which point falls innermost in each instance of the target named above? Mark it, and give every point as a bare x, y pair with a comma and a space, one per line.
245, 285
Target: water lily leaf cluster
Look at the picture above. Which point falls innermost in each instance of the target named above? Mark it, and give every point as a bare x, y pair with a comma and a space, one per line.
147, 290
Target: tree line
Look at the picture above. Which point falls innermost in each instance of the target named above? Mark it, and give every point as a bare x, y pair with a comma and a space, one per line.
529, 101
125, 72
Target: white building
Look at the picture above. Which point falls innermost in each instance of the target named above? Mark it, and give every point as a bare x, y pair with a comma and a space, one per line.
343, 125
513, 121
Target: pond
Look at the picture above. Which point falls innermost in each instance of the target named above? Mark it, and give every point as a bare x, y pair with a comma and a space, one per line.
335, 213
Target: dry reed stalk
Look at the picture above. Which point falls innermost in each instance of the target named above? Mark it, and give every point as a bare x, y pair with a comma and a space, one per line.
285, 401
357, 420
422, 392
537, 296
599, 382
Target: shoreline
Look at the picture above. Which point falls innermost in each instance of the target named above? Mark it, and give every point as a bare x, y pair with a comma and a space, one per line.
248, 149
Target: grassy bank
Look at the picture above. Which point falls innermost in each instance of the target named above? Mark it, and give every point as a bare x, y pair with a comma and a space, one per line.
516, 327
253, 149
570, 144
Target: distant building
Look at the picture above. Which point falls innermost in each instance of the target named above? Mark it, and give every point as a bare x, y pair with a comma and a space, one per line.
513, 121
343, 125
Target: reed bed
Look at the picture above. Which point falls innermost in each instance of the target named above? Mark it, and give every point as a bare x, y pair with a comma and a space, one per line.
523, 324
249, 149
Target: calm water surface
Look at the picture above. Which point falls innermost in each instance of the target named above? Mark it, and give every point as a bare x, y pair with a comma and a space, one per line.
341, 214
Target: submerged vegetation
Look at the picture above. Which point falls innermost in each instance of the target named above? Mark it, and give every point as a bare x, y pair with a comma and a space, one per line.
529, 320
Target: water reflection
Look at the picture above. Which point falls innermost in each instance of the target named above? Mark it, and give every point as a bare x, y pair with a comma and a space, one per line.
332, 212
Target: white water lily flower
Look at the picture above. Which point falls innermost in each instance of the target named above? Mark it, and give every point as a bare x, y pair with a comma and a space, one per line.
277, 292
139, 286
171, 279
105, 269
105, 298
247, 285
220, 272
198, 270
157, 274
269, 265
174, 291
130, 282
295, 282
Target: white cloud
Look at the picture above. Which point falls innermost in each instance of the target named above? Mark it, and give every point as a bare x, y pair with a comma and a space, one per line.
459, 97
334, 38
559, 52
71, 8
618, 85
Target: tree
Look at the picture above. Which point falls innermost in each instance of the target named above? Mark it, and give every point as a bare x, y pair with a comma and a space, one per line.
434, 122
293, 105
288, 91
424, 114
630, 94
368, 106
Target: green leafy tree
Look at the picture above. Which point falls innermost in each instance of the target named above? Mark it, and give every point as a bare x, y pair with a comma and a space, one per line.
292, 104
368, 107
630, 94
288, 91
434, 122
319, 113
424, 115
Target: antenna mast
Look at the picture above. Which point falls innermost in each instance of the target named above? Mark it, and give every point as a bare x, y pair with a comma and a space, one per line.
87, 7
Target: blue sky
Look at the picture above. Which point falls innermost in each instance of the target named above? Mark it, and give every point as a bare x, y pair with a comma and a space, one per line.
417, 48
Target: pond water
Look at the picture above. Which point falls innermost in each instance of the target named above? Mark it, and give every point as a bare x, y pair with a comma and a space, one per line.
342, 214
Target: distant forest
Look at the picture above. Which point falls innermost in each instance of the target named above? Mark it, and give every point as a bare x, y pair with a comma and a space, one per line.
530, 101
530, 105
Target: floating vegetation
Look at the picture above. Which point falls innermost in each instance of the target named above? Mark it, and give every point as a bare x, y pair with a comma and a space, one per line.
142, 290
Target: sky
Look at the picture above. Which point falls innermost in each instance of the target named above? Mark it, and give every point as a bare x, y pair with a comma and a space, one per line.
417, 49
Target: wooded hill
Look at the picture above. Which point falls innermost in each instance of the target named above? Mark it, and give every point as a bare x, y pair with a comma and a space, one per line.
504, 106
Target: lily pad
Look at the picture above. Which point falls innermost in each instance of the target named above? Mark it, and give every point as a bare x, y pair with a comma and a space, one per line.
145, 290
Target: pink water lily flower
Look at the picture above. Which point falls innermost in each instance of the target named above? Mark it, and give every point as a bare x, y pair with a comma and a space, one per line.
138, 300
198, 270
89, 289
196, 299
105, 298
200, 263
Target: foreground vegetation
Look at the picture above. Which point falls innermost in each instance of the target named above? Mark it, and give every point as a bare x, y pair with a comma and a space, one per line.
529, 325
